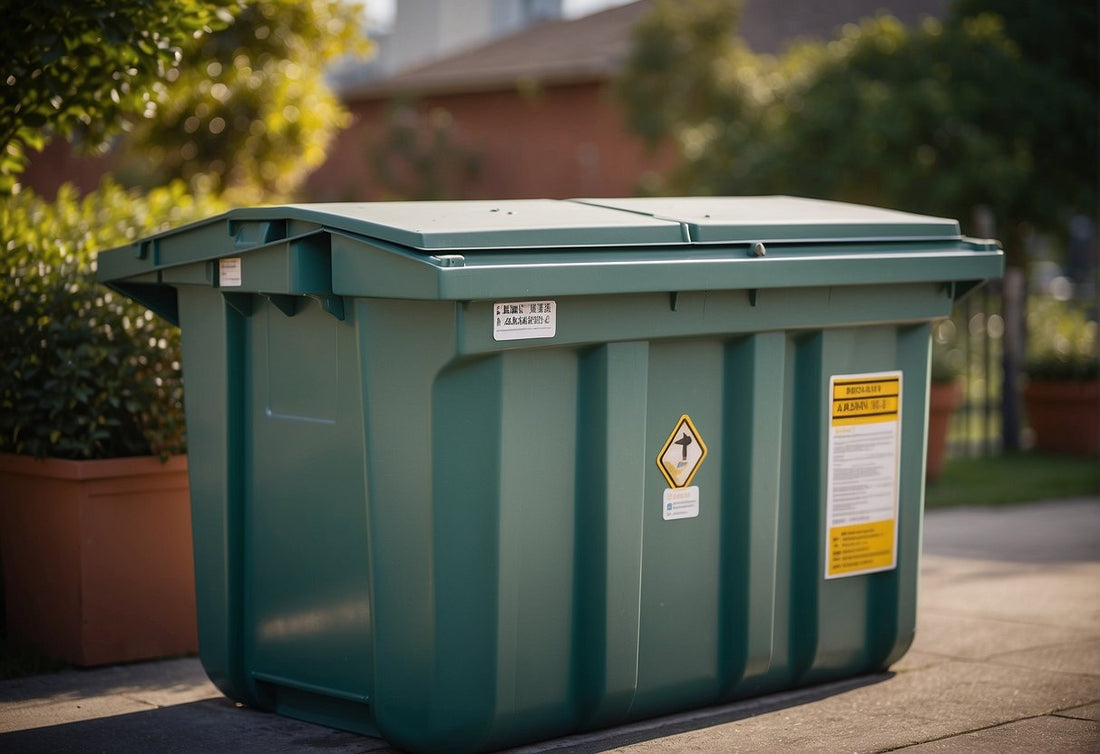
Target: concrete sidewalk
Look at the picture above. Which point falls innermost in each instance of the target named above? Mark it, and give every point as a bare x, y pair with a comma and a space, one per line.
1007, 658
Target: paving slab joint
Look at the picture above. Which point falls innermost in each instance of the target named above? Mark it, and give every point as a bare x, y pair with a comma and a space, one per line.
971, 731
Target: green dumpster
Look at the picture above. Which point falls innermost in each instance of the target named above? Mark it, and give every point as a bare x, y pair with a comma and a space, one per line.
470, 474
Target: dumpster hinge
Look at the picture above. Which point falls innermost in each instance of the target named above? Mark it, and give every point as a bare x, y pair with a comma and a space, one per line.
960, 289
241, 302
333, 305
288, 305
752, 296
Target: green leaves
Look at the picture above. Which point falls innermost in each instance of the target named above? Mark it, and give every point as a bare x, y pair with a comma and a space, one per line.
84, 372
683, 66
226, 94
1061, 341
938, 118
79, 69
250, 113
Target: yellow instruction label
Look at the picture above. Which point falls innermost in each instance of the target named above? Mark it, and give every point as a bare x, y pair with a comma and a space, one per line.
860, 548
863, 469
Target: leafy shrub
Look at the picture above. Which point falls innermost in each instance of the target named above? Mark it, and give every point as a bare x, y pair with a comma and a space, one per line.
1061, 341
85, 372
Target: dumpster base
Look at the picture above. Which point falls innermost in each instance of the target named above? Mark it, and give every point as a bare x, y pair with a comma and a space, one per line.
319, 708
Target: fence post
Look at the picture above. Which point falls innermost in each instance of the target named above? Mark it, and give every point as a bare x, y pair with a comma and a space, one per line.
1012, 302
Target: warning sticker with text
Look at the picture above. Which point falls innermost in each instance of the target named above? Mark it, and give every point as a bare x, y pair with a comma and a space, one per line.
520, 320
863, 469
229, 272
680, 502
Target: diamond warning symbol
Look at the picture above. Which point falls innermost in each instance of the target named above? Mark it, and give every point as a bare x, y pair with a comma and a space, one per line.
682, 454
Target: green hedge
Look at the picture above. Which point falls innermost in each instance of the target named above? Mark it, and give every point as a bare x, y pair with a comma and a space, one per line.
1061, 340
84, 372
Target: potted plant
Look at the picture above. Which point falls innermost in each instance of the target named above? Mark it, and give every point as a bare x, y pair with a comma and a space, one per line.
944, 394
95, 535
1062, 395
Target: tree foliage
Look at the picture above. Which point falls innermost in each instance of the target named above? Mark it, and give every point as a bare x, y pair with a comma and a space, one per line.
78, 69
226, 94
683, 67
249, 111
916, 118
938, 118
1058, 44
85, 373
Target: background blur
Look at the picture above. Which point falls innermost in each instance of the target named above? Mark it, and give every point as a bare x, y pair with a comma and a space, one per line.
981, 110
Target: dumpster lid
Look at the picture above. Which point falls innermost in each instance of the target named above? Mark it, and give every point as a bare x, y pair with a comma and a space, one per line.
467, 250
518, 224
723, 219
515, 223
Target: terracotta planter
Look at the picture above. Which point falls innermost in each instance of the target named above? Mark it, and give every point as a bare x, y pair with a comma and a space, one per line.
97, 558
1065, 415
943, 399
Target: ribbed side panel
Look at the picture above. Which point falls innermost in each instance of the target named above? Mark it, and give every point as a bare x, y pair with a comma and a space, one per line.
562, 597
610, 492
499, 567
755, 397
857, 624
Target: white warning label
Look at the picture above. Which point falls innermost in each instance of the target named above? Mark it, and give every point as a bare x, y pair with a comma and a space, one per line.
229, 272
680, 502
519, 320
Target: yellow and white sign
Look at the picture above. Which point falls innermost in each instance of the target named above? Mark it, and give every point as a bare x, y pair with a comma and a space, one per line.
682, 454
862, 485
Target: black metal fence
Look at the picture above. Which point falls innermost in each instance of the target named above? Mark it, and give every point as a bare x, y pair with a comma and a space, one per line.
972, 345
985, 341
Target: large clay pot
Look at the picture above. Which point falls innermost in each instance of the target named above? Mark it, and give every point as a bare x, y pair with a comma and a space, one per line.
943, 399
97, 559
1065, 415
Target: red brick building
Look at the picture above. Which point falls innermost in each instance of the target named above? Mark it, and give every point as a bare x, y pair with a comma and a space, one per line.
535, 112
532, 114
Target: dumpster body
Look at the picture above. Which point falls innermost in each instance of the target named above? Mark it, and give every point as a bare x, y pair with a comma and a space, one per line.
469, 474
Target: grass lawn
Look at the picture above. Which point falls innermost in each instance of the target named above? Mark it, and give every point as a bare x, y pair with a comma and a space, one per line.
1013, 478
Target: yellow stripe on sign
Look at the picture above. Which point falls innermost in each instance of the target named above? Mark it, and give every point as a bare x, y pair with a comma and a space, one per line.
848, 421
866, 388
861, 547
866, 407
